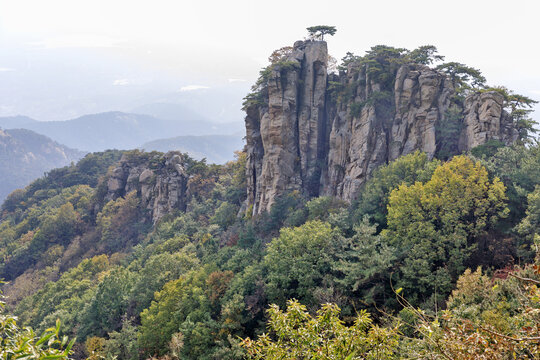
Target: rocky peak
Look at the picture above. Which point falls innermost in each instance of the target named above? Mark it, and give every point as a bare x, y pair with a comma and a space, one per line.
304, 135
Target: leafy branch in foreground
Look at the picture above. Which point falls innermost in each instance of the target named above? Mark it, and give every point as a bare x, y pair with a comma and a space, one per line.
18, 343
295, 334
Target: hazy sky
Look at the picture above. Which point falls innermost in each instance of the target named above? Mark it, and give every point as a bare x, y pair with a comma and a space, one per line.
195, 45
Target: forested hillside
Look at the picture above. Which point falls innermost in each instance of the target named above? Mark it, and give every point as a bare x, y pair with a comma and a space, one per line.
200, 279
156, 255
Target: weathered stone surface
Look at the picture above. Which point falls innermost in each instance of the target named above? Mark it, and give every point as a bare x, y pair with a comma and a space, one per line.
300, 137
311, 117
255, 152
162, 190
285, 137
486, 119
146, 176
422, 96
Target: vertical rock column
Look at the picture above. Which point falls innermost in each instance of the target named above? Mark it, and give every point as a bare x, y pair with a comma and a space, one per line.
312, 114
358, 141
255, 153
291, 125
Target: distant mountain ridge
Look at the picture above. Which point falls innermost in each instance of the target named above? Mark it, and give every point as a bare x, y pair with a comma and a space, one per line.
217, 149
195, 124
16, 122
26, 155
118, 130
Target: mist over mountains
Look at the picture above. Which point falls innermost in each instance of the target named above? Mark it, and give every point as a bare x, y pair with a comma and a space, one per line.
117, 130
16, 122
51, 84
93, 101
217, 149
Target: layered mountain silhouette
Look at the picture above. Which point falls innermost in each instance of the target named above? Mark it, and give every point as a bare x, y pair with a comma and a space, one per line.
119, 130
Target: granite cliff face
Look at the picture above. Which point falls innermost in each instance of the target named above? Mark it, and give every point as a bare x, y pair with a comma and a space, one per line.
302, 134
285, 136
486, 119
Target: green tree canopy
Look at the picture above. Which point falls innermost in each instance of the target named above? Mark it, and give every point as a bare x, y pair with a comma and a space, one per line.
426, 55
463, 76
298, 260
408, 169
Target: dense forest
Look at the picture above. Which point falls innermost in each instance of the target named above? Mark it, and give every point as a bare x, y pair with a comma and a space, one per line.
436, 257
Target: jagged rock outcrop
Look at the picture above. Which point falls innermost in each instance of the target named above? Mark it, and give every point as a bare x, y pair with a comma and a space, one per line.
485, 119
303, 135
160, 180
422, 96
400, 123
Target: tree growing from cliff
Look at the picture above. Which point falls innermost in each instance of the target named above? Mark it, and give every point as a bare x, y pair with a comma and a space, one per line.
463, 76
280, 54
426, 55
318, 32
519, 107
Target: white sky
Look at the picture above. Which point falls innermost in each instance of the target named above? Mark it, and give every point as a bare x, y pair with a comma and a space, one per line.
231, 39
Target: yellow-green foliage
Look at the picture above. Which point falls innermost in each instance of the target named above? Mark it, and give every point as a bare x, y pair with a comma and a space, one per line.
95, 348
458, 197
296, 334
408, 169
435, 225
485, 319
